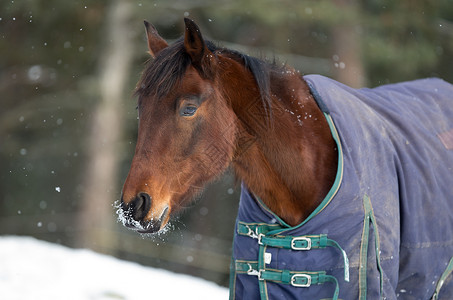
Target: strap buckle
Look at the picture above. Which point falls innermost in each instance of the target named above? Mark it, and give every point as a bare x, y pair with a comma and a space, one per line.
301, 238
260, 274
251, 233
260, 237
252, 271
305, 276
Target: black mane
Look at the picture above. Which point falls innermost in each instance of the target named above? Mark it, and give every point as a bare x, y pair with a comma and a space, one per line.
163, 73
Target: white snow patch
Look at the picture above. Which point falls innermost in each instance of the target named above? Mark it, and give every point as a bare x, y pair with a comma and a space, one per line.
33, 269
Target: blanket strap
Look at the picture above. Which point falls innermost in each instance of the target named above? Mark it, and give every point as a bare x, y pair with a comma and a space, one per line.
267, 235
294, 278
301, 243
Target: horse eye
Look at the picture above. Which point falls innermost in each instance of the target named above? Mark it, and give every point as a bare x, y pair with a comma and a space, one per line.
188, 111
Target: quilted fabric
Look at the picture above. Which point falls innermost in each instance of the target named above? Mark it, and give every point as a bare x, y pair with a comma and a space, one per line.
390, 209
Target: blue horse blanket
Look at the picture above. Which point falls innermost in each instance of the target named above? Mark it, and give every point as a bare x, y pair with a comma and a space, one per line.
385, 230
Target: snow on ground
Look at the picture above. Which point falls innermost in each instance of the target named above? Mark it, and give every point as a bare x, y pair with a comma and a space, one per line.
34, 270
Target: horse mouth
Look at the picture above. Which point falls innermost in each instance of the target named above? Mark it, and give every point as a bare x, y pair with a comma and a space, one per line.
153, 226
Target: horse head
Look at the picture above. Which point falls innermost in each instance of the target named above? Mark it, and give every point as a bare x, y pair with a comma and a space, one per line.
187, 130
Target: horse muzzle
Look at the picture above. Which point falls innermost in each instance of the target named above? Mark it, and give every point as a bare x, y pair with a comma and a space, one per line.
138, 214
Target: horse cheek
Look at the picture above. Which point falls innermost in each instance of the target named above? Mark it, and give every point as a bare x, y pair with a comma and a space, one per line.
219, 148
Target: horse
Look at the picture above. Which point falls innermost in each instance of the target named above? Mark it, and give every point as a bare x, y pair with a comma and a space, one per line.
344, 192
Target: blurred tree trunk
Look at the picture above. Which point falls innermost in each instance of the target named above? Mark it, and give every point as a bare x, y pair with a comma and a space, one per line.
100, 188
347, 47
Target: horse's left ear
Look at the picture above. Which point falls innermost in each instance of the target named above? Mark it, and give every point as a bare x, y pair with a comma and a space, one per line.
194, 43
155, 42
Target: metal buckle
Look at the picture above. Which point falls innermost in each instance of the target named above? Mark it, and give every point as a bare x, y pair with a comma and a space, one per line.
260, 273
260, 236
302, 238
295, 276
252, 271
251, 233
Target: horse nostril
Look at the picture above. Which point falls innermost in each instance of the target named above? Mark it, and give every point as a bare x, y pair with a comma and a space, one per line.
140, 206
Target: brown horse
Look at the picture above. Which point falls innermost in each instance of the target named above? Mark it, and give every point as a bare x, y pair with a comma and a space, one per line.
202, 109
346, 173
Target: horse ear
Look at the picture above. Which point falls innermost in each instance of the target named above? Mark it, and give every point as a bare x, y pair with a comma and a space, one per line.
155, 42
193, 42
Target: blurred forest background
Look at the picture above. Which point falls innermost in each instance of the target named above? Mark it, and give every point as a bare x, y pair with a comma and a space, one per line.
68, 122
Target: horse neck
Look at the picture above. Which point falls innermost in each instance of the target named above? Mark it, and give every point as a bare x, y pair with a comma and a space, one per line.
290, 165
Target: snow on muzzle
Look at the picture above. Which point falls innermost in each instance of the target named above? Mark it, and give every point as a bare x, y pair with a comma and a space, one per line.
139, 215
